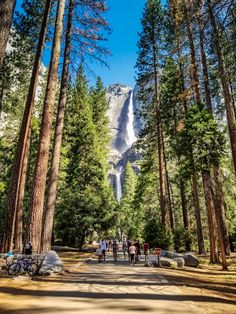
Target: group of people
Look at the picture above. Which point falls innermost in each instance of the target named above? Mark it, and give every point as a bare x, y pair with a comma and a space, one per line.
130, 248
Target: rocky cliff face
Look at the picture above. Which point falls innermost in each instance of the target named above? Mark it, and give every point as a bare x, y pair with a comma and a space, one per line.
124, 126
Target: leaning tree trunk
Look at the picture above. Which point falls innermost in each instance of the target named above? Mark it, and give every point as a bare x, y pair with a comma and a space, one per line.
6, 13
41, 167
219, 195
21, 156
225, 84
49, 209
18, 237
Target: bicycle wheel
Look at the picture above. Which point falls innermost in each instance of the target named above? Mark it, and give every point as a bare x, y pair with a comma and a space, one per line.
32, 269
14, 269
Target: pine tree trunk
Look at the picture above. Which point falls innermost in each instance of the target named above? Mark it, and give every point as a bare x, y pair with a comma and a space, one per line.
160, 144
6, 14
225, 84
1, 99
18, 240
206, 176
13, 194
219, 196
49, 209
196, 203
185, 215
193, 71
200, 238
209, 199
220, 214
40, 174
168, 189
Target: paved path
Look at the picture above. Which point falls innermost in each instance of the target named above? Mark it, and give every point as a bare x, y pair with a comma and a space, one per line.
104, 288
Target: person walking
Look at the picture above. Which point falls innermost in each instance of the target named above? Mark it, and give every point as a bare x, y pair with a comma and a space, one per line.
99, 254
146, 251
128, 246
132, 253
103, 246
138, 251
124, 247
114, 250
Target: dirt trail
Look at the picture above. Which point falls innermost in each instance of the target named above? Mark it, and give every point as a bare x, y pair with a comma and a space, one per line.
101, 289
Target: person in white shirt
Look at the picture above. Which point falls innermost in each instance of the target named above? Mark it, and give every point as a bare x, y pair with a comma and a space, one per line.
103, 246
132, 252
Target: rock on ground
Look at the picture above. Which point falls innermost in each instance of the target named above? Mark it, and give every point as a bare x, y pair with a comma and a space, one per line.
180, 262
51, 264
191, 260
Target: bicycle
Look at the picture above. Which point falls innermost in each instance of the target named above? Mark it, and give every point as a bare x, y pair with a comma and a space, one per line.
23, 264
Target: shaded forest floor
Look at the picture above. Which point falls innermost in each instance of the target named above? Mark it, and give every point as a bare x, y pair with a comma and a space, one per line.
215, 289
209, 288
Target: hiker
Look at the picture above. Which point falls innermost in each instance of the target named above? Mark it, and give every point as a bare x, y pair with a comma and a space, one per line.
124, 248
138, 252
146, 250
28, 249
99, 254
103, 246
132, 253
114, 249
128, 246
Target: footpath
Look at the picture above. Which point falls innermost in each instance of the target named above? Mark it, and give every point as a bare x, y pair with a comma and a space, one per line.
105, 288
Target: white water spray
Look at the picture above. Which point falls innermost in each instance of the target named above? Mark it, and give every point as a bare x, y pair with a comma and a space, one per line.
118, 184
130, 125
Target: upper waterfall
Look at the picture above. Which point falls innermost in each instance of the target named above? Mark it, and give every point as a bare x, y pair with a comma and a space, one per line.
131, 138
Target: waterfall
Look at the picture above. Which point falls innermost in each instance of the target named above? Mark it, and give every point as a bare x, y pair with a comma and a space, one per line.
130, 125
118, 184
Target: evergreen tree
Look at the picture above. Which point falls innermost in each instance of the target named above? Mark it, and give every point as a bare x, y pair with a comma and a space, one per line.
148, 65
86, 203
127, 222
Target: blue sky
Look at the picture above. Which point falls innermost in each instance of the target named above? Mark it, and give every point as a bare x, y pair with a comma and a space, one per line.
124, 19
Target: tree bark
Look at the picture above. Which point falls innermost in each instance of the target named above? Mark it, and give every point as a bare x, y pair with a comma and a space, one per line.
20, 155
196, 203
225, 84
219, 195
200, 238
48, 215
40, 174
193, 70
206, 176
185, 216
18, 240
6, 14
209, 198
160, 144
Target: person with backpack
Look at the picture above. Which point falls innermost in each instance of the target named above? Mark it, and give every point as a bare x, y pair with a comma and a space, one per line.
103, 246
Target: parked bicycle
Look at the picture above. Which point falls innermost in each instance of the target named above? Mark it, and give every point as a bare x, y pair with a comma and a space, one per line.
23, 264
